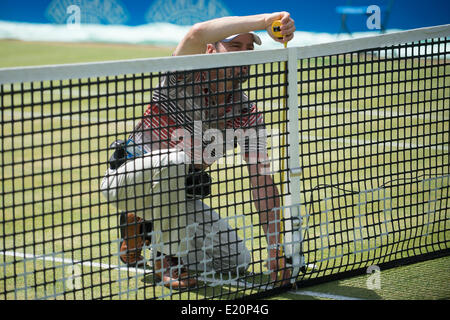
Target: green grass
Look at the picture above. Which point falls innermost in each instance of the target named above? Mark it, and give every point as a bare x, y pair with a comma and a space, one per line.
53, 205
19, 53
427, 280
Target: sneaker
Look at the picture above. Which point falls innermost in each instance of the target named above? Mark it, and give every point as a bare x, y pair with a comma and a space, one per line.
167, 270
133, 241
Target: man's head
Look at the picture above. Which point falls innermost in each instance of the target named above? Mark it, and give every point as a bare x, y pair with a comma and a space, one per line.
234, 43
237, 42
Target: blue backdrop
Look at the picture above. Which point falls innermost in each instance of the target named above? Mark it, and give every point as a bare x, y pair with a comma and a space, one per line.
317, 16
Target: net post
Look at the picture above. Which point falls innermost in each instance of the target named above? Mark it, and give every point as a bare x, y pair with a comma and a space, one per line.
292, 213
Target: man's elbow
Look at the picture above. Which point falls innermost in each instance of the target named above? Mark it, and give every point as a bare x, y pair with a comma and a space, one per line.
193, 42
197, 33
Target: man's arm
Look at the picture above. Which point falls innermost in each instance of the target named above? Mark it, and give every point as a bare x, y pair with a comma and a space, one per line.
266, 199
211, 31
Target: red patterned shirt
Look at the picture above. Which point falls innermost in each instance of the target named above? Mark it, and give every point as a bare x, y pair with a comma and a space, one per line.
186, 100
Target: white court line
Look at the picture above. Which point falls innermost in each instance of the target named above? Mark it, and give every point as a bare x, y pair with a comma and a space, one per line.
381, 113
323, 295
83, 119
65, 261
361, 143
373, 113
305, 138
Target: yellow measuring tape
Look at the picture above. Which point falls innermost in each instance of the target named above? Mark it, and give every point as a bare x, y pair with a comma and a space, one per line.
276, 29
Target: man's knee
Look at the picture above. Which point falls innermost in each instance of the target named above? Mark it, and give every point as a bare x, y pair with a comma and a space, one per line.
237, 262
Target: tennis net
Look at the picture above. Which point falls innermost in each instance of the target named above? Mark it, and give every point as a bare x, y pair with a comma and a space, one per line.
374, 144
355, 172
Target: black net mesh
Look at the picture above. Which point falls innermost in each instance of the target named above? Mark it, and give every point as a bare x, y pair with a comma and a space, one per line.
174, 185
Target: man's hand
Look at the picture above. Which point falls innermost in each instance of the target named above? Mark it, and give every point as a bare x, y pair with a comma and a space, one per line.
277, 266
287, 26
267, 200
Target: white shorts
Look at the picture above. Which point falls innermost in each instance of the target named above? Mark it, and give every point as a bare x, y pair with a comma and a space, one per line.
153, 187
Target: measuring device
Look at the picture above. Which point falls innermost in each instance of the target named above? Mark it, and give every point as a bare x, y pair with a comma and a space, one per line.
276, 29
291, 233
